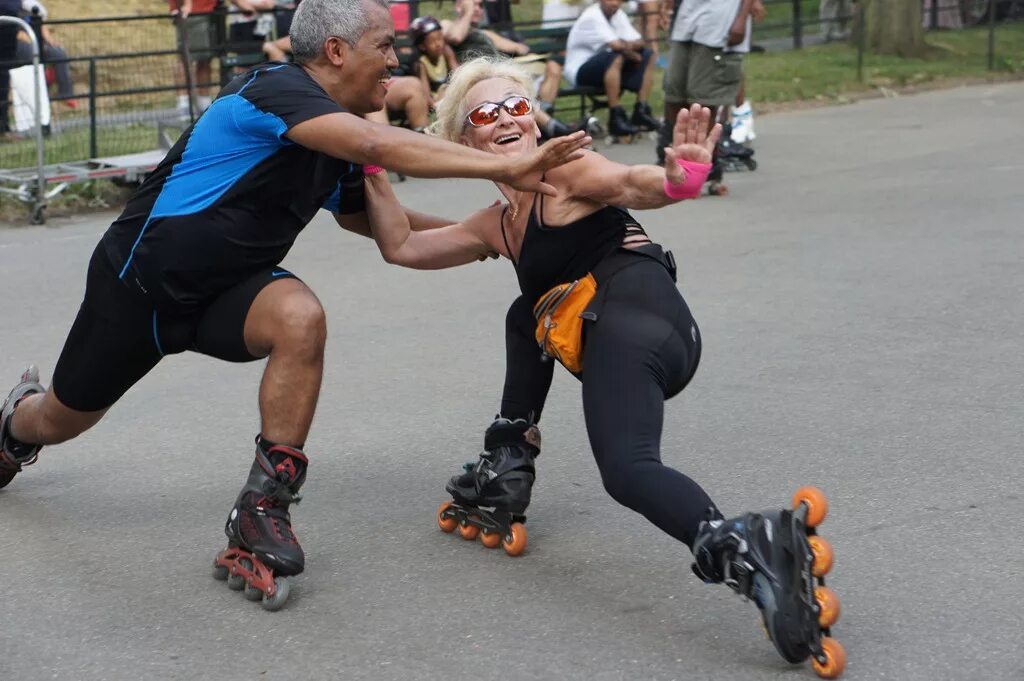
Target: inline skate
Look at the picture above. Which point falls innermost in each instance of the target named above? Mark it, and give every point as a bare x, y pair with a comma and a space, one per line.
490, 497
778, 560
15, 454
262, 548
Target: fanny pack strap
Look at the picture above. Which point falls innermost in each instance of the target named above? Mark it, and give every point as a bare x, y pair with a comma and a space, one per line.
621, 258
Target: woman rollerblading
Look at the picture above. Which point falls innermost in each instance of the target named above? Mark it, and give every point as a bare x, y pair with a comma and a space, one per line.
600, 297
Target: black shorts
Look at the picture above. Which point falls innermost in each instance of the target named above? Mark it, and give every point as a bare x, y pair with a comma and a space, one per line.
242, 37
591, 74
119, 336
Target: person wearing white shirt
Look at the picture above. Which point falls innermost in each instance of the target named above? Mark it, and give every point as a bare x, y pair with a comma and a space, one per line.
705, 60
605, 51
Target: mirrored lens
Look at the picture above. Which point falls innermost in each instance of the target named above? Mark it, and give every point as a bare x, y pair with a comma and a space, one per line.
483, 114
517, 106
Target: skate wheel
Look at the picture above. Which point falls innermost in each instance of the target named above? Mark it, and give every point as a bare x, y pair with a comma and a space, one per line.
817, 505
833, 660
237, 582
220, 572
446, 523
252, 593
823, 555
514, 542
468, 531
490, 539
828, 606
751, 164
276, 602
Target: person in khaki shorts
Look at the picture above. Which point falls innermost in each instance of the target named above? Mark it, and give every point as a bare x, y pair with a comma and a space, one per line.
705, 59
199, 30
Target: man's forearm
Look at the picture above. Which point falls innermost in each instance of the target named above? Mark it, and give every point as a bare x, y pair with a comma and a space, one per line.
738, 30
503, 44
349, 137
419, 155
458, 29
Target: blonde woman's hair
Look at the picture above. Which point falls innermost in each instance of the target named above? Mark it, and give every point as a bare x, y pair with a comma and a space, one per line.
451, 112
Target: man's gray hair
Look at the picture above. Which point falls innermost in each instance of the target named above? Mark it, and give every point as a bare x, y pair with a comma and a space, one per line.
317, 20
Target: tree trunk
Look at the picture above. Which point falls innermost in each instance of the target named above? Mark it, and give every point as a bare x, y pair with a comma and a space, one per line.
894, 27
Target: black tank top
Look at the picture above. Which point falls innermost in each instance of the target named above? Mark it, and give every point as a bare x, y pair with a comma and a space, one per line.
555, 255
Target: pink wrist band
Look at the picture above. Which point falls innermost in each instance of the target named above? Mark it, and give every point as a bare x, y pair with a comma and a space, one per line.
373, 170
694, 175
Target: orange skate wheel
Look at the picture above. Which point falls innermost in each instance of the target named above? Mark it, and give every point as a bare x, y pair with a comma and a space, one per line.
490, 539
817, 504
447, 524
828, 606
468, 531
835, 659
823, 556
515, 543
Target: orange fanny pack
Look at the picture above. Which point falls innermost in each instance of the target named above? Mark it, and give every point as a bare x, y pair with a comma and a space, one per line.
560, 314
561, 311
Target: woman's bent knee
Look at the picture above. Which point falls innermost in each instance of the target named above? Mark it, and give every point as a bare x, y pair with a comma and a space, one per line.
622, 484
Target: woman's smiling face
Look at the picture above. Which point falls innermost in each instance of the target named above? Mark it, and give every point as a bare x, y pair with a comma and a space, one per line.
507, 135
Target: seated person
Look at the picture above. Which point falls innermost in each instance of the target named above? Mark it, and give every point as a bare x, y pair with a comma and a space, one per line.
250, 24
469, 40
435, 59
405, 98
50, 52
605, 51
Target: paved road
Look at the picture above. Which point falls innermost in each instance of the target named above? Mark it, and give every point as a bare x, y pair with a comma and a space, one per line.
861, 298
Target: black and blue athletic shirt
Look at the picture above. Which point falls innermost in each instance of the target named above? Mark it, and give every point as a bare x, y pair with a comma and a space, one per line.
233, 194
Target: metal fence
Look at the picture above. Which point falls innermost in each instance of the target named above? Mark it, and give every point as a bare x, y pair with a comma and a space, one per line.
119, 94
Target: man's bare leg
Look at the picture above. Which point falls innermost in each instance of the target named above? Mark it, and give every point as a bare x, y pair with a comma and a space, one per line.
287, 323
43, 420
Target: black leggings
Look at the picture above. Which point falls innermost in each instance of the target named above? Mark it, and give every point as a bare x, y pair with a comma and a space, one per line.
643, 349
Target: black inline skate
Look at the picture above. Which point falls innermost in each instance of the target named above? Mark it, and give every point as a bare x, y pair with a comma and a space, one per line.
643, 118
777, 560
619, 127
15, 454
491, 496
733, 155
261, 543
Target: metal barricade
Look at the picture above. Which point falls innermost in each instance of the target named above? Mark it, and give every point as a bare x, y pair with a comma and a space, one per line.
33, 189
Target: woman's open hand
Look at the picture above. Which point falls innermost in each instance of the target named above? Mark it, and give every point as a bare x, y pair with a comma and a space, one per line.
691, 140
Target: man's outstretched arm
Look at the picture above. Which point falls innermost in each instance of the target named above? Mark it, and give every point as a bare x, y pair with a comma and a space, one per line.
353, 139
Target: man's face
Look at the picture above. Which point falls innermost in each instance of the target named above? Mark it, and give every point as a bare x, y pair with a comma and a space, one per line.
368, 64
610, 7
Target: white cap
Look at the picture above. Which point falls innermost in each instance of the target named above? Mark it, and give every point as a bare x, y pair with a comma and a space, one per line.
34, 7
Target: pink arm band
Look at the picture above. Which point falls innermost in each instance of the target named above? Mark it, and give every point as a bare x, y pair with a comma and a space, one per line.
694, 176
372, 170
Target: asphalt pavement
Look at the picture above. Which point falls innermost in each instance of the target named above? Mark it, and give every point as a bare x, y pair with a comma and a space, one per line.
861, 300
